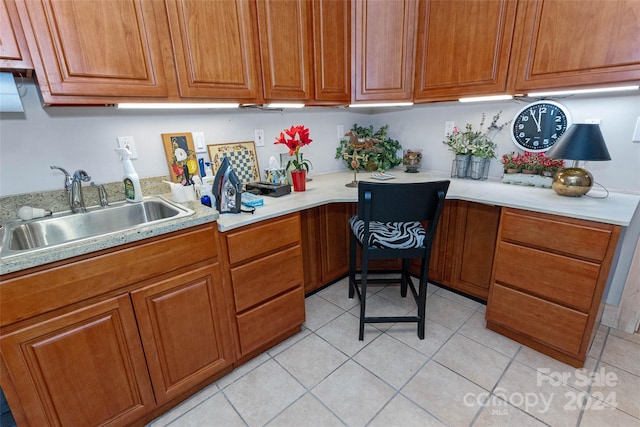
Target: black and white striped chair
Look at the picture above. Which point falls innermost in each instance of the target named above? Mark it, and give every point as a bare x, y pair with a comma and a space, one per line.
389, 226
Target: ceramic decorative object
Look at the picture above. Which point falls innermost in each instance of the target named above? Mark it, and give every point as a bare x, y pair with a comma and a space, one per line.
412, 160
299, 178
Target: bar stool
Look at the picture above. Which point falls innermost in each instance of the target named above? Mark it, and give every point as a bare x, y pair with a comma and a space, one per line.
388, 226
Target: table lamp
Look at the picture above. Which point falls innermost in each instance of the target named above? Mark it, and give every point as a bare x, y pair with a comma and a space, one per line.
582, 141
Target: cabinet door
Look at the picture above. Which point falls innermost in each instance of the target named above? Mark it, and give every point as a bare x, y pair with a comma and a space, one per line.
463, 47
570, 43
334, 240
100, 48
384, 50
476, 229
332, 52
14, 53
185, 330
286, 31
82, 368
213, 44
310, 232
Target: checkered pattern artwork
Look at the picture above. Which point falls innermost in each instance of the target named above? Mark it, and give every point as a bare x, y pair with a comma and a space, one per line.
242, 157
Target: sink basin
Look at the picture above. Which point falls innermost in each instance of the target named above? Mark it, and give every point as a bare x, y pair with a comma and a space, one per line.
72, 227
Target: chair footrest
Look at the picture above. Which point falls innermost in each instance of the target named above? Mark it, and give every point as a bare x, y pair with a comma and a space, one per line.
391, 319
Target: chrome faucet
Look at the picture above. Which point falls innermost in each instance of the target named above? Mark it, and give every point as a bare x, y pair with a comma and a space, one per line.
73, 185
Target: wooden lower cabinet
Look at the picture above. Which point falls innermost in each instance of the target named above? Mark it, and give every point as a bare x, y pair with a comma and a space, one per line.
185, 330
264, 262
474, 234
82, 368
548, 278
118, 336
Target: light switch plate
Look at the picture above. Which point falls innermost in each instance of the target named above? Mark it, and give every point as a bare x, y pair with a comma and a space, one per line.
340, 131
636, 133
258, 137
128, 143
198, 142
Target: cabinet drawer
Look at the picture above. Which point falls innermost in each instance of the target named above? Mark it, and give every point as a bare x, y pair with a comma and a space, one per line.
565, 280
260, 325
542, 320
266, 277
263, 238
584, 239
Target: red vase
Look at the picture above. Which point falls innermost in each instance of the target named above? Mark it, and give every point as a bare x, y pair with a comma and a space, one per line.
299, 179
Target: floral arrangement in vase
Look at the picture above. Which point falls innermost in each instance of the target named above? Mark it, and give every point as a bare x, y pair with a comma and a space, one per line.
475, 142
295, 138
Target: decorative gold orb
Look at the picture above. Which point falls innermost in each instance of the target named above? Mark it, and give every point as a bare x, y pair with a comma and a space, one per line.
572, 182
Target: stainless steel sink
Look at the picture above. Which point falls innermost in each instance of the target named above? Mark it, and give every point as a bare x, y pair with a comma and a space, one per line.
71, 227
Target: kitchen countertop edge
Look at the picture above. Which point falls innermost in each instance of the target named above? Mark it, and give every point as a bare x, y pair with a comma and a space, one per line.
617, 209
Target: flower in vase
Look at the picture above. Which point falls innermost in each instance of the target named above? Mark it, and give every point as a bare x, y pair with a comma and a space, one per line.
295, 138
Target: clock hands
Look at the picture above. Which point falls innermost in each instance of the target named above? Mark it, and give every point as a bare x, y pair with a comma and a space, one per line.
537, 121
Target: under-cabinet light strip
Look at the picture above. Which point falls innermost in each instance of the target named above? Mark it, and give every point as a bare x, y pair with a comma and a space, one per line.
382, 104
284, 105
580, 91
486, 98
175, 106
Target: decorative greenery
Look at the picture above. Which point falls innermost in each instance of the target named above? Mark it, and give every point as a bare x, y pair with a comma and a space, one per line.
475, 142
298, 137
382, 157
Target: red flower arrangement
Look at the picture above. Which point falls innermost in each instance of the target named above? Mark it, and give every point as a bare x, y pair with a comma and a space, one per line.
537, 162
294, 138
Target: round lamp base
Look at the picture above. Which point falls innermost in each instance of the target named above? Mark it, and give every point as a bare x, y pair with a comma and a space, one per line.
572, 182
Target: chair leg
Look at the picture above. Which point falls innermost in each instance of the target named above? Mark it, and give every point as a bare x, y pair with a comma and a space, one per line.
363, 292
404, 278
422, 298
352, 265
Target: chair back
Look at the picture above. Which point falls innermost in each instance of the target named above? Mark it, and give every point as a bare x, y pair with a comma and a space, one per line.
386, 202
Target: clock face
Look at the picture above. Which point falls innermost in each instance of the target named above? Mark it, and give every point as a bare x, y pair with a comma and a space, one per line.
539, 125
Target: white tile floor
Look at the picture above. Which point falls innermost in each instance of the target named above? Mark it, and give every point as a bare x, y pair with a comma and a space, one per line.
461, 374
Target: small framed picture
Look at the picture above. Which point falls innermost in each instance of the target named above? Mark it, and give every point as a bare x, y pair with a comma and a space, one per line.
242, 158
180, 152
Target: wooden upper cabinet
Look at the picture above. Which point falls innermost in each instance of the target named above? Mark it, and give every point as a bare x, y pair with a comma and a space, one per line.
286, 36
214, 49
14, 53
332, 52
463, 48
94, 49
573, 43
383, 50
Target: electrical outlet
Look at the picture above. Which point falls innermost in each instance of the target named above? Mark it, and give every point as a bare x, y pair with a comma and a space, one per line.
127, 142
258, 137
340, 131
198, 142
448, 127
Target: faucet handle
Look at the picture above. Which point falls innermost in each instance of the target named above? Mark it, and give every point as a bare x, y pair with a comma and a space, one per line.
81, 175
67, 177
102, 194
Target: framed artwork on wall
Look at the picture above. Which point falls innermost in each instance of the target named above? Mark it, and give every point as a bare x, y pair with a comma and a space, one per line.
242, 158
180, 152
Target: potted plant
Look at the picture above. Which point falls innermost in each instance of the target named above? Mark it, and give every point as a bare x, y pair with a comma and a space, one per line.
512, 162
381, 150
477, 143
295, 138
